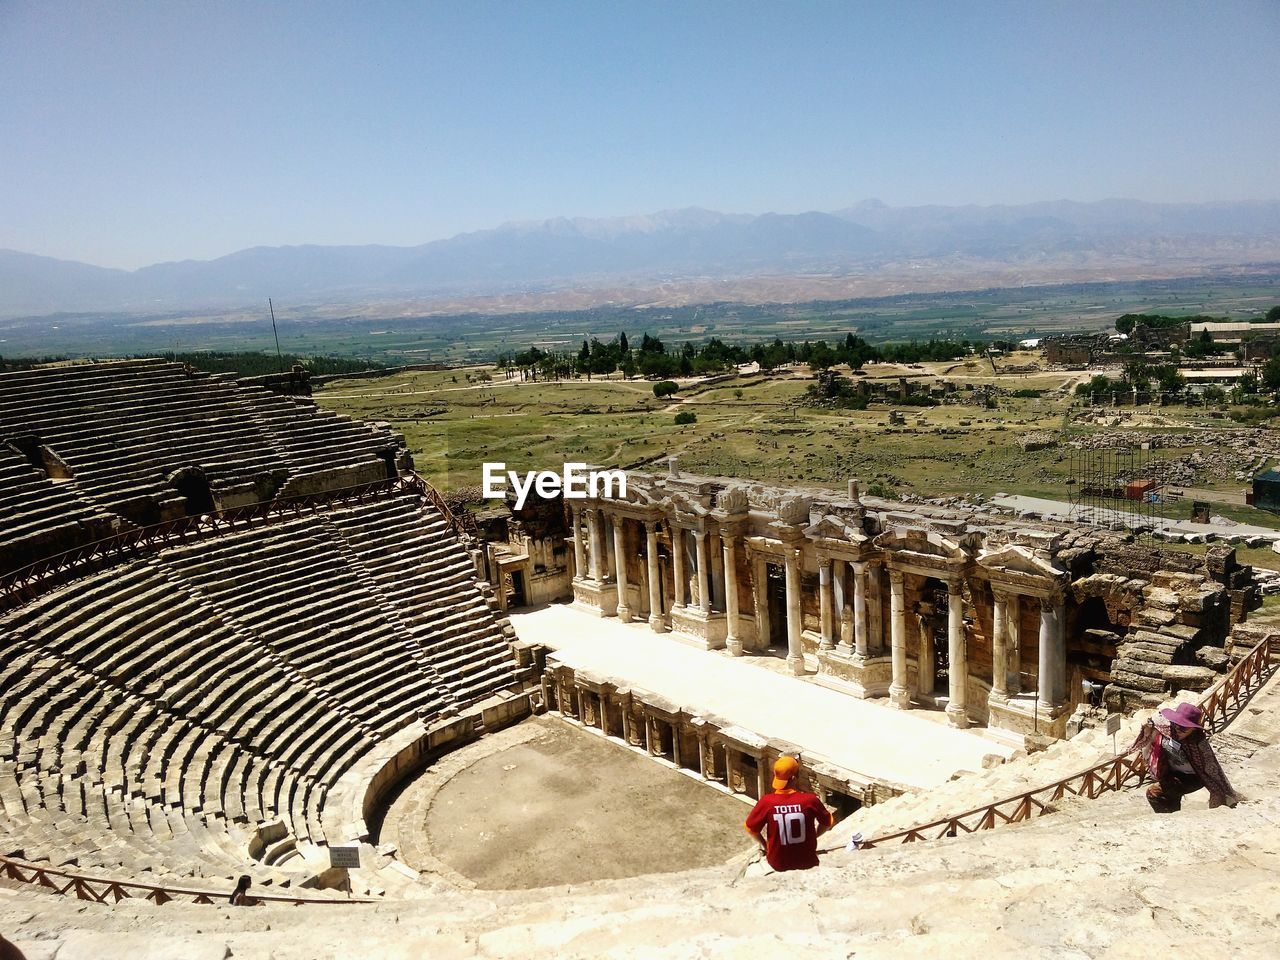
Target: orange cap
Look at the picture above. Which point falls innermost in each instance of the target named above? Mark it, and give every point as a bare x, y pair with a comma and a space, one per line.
785, 769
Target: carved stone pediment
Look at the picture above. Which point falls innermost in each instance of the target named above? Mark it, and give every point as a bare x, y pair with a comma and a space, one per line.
1017, 559
732, 499
832, 527
684, 506
793, 509
928, 543
640, 496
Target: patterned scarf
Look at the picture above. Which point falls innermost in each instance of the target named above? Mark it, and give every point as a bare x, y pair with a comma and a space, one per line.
1195, 748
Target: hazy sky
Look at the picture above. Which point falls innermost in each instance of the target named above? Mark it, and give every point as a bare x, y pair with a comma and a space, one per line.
134, 132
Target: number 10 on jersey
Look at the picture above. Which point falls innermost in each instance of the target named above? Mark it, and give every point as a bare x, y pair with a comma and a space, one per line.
790, 828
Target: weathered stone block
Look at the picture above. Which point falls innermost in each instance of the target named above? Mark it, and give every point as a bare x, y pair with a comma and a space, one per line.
1151, 617
1214, 658
1198, 601
1182, 632
1144, 652
1189, 678
1155, 640
1138, 682
1161, 598
1146, 668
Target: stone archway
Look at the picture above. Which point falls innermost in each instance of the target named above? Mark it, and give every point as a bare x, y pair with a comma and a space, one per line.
193, 486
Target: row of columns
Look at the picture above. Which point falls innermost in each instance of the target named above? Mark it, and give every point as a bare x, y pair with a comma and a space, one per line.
589, 562
1006, 647
866, 615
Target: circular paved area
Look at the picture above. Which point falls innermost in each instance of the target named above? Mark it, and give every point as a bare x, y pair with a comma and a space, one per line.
567, 806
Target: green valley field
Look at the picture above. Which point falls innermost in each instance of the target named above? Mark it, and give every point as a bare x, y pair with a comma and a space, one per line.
760, 427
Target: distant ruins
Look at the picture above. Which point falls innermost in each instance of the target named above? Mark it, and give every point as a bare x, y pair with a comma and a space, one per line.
1000, 622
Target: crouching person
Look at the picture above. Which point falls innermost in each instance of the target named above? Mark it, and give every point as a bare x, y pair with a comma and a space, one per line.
1181, 761
792, 819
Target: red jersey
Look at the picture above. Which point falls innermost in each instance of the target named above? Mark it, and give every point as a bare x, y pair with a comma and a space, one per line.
790, 820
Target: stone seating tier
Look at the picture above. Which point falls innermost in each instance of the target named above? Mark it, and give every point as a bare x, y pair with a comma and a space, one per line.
39, 517
974, 789
153, 716
123, 428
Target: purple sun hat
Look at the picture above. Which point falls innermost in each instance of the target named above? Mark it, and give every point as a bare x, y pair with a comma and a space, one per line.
1185, 715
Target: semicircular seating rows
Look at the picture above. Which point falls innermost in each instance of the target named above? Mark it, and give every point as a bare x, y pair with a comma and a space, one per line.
189, 713
148, 440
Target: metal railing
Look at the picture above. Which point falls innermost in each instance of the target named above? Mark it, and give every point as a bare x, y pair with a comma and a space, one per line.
463, 525
27, 583
1220, 704
109, 890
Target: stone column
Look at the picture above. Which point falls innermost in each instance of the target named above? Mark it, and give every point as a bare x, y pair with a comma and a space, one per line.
875, 611
655, 577
860, 609
733, 640
926, 678
703, 572
795, 650
957, 655
579, 548
716, 573
547, 692
1000, 646
677, 563
597, 545
628, 735
844, 606
825, 626
1053, 654
899, 695
764, 777
620, 568
760, 589
1013, 645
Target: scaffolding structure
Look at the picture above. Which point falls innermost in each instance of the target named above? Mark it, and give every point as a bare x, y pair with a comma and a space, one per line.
1120, 488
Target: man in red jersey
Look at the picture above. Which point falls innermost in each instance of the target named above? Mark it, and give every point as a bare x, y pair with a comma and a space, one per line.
794, 820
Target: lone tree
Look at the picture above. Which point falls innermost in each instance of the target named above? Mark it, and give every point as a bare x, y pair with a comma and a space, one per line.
665, 388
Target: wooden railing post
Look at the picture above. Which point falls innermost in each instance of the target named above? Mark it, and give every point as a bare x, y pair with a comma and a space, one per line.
1240, 683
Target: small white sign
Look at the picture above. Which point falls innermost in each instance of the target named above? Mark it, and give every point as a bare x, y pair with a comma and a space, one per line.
348, 857
1113, 724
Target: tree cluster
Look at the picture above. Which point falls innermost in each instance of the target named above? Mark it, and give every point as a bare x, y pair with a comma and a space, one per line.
653, 360
1138, 375
1159, 321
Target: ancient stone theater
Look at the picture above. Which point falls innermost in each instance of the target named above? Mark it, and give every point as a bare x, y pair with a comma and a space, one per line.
242, 637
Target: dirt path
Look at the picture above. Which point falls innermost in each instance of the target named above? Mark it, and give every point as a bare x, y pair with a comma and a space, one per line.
1217, 496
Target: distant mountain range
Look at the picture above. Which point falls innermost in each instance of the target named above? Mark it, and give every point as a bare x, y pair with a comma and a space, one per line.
672, 246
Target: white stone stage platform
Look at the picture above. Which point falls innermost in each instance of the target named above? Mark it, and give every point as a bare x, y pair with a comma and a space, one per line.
913, 748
